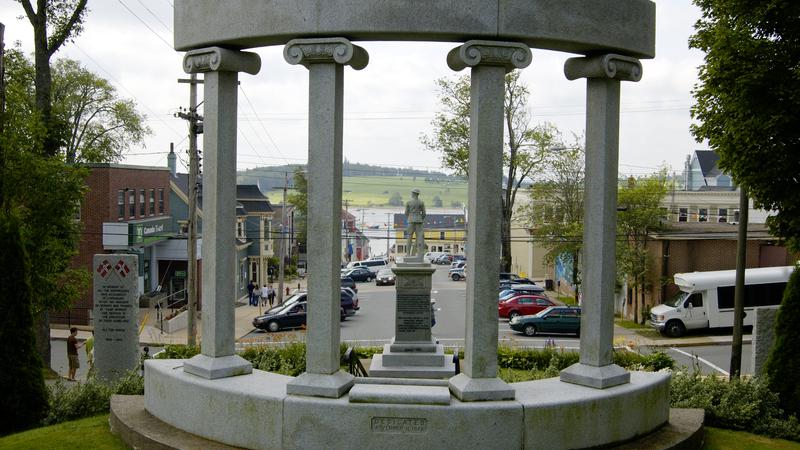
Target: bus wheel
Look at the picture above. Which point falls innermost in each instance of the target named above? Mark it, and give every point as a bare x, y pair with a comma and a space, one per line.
675, 328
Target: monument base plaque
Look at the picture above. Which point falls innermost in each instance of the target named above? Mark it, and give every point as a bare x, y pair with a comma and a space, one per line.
413, 353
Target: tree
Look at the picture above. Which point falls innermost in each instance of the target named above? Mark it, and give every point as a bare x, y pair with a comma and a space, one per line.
93, 123
747, 101
21, 378
640, 214
748, 98
525, 147
299, 199
555, 211
783, 365
54, 22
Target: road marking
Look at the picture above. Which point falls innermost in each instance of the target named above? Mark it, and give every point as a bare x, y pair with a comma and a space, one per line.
702, 360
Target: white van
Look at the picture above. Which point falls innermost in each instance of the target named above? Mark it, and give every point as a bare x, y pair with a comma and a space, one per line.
374, 265
706, 298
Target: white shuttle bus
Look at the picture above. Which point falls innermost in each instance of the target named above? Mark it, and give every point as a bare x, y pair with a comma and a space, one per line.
706, 298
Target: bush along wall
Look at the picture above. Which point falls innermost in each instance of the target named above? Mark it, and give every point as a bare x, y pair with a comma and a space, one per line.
745, 404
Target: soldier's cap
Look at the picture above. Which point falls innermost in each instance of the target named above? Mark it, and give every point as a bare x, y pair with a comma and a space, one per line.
415, 191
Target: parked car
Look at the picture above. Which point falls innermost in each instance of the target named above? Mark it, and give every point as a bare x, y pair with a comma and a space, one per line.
458, 264
374, 265
283, 316
517, 289
385, 277
288, 315
557, 319
443, 259
359, 273
349, 301
458, 274
524, 305
508, 276
349, 282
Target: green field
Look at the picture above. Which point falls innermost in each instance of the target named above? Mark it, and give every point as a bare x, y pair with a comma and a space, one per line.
376, 191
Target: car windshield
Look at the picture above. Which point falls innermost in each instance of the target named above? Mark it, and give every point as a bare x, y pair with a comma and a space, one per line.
386, 273
677, 299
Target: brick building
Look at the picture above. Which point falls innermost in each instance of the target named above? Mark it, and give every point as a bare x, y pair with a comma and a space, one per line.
702, 246
126, 209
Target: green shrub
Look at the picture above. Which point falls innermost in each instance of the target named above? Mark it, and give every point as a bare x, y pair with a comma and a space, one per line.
79, 400
288, 360
654, 361
90, 398
178, 351
741, 404
783, 365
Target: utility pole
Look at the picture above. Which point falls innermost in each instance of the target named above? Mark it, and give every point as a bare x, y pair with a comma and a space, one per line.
388, 231
195, 128
738, 293
283, 239
344, 226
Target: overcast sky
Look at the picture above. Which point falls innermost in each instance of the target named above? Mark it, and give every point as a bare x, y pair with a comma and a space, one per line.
387, 105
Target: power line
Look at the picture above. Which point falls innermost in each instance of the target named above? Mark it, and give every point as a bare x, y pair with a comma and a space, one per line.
146, 25
155, 16
261, 122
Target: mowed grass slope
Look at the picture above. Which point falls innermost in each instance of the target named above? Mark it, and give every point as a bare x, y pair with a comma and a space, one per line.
376, 191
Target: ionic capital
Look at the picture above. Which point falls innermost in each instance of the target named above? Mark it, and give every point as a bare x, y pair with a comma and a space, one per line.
612, 66
217, 59
325, 50
511, 55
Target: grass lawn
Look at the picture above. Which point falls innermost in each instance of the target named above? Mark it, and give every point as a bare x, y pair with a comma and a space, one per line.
720, 439
376, 191
92, 432
640, 329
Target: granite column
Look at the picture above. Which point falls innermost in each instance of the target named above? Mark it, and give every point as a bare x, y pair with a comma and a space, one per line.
221, 67
489, 62
603, 73
325, 60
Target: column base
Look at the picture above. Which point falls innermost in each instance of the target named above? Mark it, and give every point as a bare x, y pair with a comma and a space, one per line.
469, 389
213, 368
321, 385
599, 377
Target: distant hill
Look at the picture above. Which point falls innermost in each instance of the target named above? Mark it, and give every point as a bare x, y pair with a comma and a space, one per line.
368, 185
273, 176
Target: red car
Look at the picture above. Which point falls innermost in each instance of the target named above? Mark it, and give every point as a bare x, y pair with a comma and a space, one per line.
525, 305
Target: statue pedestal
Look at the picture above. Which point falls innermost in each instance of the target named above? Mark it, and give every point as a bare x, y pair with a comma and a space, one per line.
413, 353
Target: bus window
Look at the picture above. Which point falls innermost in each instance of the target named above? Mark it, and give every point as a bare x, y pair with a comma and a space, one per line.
755, 295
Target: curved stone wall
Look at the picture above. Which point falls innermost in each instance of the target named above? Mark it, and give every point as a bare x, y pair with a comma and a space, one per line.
578, 26
254, 411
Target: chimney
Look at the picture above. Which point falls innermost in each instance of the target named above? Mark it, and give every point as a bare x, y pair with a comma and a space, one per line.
172, 160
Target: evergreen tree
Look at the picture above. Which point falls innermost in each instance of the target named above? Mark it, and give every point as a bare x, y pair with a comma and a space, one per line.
21, 380
783, 364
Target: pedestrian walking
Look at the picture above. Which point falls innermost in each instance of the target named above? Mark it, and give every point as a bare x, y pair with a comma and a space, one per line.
264, 295
256, 296
271, 296
250, 288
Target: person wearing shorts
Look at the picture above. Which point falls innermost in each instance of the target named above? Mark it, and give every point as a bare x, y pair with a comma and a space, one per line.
72, 353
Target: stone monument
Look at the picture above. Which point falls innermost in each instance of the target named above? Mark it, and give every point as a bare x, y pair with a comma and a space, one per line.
413, 353
233, 404
116, 347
